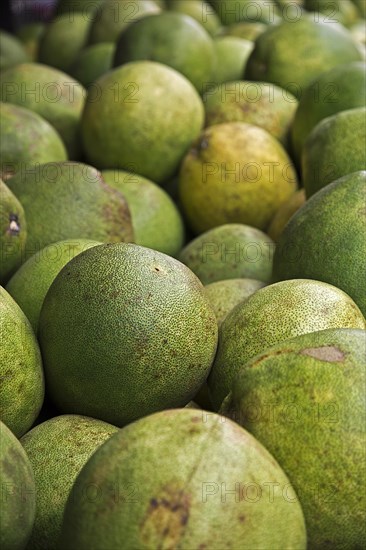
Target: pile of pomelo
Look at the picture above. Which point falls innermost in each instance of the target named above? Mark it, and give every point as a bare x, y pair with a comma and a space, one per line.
183, 253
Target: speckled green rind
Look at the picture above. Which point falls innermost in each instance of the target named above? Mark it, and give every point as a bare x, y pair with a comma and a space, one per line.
334, 148
274, 314
304, 399
225, 295
12, 51
18, 492
70, 200
341, 88
144, 120
57, 97
234, 173
57, 450
201, 11
26, 140
38, 273
294, 53
156, 220
93, 62
325, 239
258, 103
230, 251
183, 479
113, 17
63, 40
13, 232
21, 373
125, 331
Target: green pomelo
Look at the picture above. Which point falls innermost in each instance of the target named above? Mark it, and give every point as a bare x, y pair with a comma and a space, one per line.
93, 62
304, 399
200, 10
54, 95
284, 213
173, 39
293, 53
334, 148
145, 119
225, 295
57, 450
115, 15
157, 222
125, 331
337, 11
183, 479
21, 373
18, 492
231, 57
234, 173
13, 232
257, 103
230, 251
30, 35
37, 142
63, 40
234, 11
272, 315
244, 29
38, 273
70, 200
12, 51
340, 89
325, 239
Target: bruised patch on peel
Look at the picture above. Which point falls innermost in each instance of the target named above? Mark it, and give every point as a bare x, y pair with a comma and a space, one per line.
330, 354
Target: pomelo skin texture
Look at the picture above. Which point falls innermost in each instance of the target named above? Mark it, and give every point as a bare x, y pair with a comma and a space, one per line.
13, 232
230, 251
274, 314
21, 373
18, 493
144, 121
38, 142
304, 399
164, 482
57, 450
70, 200
334, 148
325, 239
38, 272
125, 331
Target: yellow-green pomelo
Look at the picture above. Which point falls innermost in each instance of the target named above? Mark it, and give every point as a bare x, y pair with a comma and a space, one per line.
38, 141
338, 212
93, 62
64, 37
157, 222
304, 399
337, 11
200, 10
271, 315
284, 213
38, 273
230, 251
164, 482
30, 34
173, 39
114, 16
13, 232
244, 29
258, 103
125, 331
12, 51
70, 200
225, 295
54, 95
234, 11
234, 173
334, 148
293, 53
57, 450
231, 56
340, 89
21, 373
144, 121
18, 492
